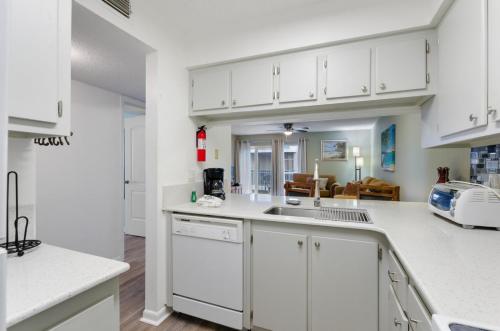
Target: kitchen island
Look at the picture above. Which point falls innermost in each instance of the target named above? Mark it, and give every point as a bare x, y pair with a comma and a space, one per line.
51, 288
455, 271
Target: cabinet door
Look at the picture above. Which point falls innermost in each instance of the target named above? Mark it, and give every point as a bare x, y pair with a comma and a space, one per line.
99, 317
32, 57
210, 89
397, 320
344, 284
494, 58
419, 318
298, 79
401, 66
279, 291
462, 97
252, 84
348, 73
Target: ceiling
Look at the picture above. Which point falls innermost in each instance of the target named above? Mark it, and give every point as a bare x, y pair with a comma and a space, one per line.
317, 126
103, 55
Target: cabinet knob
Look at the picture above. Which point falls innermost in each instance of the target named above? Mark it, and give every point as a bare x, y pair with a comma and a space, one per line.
59, 108
491, 110
472, 118
316, 244
311, 95
300, 242
127, 182
396, 322
223, 103
364, 89
382, 86
234, 102
324, 90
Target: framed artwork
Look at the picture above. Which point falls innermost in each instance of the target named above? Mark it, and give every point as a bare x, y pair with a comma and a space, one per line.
333, 150
388, 148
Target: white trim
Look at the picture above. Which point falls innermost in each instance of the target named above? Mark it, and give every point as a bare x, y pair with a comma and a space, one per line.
155, 318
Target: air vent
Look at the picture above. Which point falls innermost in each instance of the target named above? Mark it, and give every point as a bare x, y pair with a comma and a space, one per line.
344, 215
121, 6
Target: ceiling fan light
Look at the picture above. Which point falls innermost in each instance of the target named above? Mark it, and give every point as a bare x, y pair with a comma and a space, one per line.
287, 133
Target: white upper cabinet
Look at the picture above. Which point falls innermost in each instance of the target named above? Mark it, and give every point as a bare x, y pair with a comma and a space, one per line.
401, 66
344, 284
462, 97
252, 84
494, 59
348, 72
38, 65
210, 89
298, 79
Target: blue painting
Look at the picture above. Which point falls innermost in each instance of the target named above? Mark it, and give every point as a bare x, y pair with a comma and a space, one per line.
388, 148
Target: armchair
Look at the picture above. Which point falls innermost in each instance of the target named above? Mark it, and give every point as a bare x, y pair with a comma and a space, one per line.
303, 185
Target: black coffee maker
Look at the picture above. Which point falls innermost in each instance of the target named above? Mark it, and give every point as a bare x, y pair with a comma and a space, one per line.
214, 182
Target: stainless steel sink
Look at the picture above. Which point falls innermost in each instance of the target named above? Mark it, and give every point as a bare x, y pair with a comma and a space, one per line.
324, 213
297, 212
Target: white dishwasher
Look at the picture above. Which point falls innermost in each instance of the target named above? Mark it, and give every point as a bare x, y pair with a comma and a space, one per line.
207, 263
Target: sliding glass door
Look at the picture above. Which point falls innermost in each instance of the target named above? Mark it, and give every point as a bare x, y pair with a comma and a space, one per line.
261, 168
291, 161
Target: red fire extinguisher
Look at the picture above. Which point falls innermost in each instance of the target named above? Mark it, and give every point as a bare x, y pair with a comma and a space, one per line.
201, 144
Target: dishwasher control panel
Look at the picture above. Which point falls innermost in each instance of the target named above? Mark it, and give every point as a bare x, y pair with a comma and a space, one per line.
208, 228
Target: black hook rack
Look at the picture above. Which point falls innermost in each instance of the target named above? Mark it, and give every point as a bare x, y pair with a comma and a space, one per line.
53, 141
17, 246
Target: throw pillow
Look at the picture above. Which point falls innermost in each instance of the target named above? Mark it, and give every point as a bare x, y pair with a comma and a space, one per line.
322, 183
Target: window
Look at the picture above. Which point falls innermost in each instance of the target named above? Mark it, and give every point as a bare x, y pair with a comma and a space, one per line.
291, 161
261, 169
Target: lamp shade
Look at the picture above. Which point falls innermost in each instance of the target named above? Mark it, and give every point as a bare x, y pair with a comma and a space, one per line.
356, 151
359, 162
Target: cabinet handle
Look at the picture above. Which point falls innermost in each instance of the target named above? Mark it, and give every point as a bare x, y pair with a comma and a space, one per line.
60, 108
414, 321
364, 89
324, 90
472, 118
234, 102
382, 86
316, 244
223, 103
311, 95
300, 242
396, 322
391, 277
127, 182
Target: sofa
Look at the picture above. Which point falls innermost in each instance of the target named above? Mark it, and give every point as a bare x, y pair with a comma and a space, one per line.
374, 189
303, 185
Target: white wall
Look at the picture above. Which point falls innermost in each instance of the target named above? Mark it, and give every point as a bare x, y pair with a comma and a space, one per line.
416, 167
22, 160
80, 187
219, 151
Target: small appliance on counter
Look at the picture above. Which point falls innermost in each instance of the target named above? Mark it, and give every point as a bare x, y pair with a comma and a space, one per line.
467, 204
20, 244
214, 182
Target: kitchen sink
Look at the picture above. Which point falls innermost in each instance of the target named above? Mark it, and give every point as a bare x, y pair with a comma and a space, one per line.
324, 213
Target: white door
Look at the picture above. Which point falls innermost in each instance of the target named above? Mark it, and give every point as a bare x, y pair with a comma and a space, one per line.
494, 58
210, 89
401, 66
298, 79
252, 84
348, 72
462, 96
279, 281
33, 59
135, 194
344, 284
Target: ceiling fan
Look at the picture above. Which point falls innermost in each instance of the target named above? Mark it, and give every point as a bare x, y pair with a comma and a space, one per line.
288, 129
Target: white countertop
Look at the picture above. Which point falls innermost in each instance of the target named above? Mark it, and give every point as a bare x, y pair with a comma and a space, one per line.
457, 271
49, 275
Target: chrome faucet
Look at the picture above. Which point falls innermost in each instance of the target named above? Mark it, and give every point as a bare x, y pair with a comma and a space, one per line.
317, 199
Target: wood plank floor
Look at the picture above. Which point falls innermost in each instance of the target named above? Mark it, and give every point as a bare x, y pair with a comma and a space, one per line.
132, 297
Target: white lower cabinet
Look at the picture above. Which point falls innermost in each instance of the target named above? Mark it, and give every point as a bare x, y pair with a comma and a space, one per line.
397, 318
419, 318
344, 284
95, 318
279, 281
304, 280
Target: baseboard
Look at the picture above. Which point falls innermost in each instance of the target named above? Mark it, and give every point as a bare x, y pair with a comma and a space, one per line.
155, 318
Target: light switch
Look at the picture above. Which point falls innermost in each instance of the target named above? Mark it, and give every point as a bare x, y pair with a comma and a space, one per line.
216, 153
